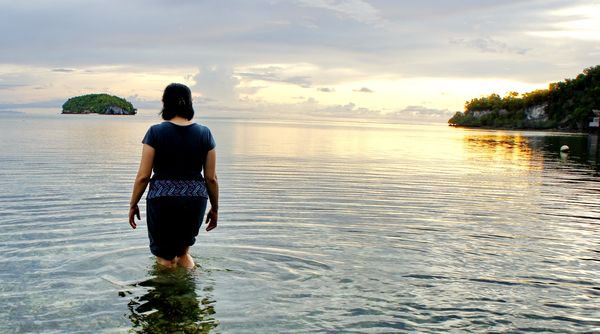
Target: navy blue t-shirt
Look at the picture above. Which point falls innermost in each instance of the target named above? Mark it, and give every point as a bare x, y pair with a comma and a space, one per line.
180, 150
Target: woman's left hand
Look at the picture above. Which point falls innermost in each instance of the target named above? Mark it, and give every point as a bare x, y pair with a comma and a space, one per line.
211, 220
134, 211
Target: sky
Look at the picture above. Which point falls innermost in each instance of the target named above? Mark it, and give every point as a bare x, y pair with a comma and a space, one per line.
353, 58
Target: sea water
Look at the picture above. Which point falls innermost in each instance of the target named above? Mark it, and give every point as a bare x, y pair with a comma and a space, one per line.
325, 226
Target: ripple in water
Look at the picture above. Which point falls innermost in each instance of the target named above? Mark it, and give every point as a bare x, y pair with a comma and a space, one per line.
325, 227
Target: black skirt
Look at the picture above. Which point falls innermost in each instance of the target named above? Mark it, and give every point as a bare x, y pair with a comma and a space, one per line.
173, 223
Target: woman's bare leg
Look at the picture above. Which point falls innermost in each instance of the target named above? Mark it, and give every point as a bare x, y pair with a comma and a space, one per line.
185, 260
167, 263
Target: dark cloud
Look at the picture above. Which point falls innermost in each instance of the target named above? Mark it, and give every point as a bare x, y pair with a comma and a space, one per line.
322, 32
325, 90
363, 90
63, 70
275, 74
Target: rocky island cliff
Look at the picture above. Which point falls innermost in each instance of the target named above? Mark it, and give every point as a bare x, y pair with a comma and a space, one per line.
567, 105
103, 104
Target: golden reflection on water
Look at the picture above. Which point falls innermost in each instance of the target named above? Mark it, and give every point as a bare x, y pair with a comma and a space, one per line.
352, 140
510, 151
432, 147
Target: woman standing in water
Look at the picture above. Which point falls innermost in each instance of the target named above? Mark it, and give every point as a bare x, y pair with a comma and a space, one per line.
177, 151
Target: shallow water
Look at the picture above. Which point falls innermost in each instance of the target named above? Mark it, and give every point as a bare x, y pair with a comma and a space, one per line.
324, 227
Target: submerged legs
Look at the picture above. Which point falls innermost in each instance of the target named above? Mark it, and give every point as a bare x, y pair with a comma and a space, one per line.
184, 260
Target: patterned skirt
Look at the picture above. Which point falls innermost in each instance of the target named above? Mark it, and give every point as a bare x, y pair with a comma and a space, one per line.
175, 210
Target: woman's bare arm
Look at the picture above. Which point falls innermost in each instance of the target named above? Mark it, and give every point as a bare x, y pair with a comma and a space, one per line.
212, 185
141, 182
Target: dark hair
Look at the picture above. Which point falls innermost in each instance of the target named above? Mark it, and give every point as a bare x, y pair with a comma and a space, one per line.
177, 101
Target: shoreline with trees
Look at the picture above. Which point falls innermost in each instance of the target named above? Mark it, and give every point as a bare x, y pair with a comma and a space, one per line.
566, 106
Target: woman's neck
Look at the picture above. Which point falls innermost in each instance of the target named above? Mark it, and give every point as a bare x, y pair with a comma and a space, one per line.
180, 120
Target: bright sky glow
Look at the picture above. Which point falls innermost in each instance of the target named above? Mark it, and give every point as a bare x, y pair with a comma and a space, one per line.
581, 22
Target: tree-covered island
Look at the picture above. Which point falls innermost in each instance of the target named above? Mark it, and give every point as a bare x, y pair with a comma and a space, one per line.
567, 105
98, 104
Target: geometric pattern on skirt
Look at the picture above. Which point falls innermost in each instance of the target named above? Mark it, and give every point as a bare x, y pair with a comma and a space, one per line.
170, 188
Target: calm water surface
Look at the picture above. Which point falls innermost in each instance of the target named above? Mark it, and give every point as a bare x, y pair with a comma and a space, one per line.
325, 227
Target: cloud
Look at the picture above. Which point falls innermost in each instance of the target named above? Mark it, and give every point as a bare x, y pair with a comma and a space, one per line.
488, 44
275, 74
313, 108
326, 33
142, 103
63, 70
15, 78
577, 22
346, 110
55, 103
421, 112
216, 83
357, 10
10, 113
320, 44
363, 90
11, 85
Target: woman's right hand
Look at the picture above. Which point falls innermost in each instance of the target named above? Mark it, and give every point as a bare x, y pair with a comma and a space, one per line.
211, 220
134, 211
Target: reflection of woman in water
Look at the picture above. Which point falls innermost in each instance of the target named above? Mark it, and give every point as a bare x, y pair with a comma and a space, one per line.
171, 304
177, 151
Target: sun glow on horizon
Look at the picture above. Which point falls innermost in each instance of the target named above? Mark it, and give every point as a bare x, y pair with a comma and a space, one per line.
388, 95
283, 85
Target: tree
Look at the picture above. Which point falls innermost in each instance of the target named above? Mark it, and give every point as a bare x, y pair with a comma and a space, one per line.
568, 104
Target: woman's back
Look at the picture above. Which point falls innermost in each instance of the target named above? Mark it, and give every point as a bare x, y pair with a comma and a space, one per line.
180, 150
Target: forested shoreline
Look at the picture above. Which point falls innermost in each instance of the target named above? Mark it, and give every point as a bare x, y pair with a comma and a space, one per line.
565, 105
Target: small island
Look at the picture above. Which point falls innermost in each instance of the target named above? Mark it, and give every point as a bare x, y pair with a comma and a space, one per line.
567, 105
103, 104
